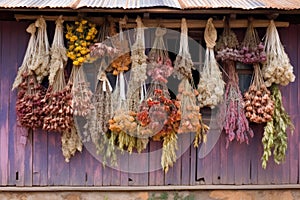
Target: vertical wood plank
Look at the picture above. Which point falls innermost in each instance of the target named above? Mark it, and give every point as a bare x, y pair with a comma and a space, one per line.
173, 176
77, 169
156, 176
293, 104
216, 162
40, 158
138, 161
125, 167
4, 106
261, 173
89, 168
58, 169
98, 173
223, 160
193, 166
255, 153
204, 166
186, 159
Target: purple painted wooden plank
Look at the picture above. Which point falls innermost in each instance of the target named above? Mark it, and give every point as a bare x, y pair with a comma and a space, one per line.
292, 106
115, 178
23, 157
89, 167
173, 176
186, 159
193, 164
107, 176
293, 149
124, 172
138, 168
204, 167
98, 172
239, 157
156, 177
77, 169
6, 38
223, 160
12, 61
216, 163
40, 158
261, 173
58, 169
254, 154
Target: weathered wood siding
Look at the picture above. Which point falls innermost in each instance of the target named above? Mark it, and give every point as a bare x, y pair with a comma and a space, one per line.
38, 161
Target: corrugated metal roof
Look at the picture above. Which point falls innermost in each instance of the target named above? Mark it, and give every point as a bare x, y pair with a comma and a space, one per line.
135, 4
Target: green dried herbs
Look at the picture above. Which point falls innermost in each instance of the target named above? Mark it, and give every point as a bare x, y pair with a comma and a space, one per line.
275, 134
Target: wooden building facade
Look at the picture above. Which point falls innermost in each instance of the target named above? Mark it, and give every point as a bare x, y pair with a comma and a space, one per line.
34, 158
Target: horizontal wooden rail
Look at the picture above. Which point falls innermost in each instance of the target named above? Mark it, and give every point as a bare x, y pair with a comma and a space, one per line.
167, 23
148, 188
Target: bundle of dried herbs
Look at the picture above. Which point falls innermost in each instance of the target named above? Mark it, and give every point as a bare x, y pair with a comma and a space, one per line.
41, 56
57, 51
27, 60
258, 103
227, 45
277, 69
159, 64
121, 61
191, 119
80, 36
29, 105
158, 118
275, 132
183, 64
138, 76
252, 50
231, 113
211, 84
81, 95
71, 142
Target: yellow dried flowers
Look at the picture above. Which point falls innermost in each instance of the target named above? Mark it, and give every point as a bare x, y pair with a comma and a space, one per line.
79, 36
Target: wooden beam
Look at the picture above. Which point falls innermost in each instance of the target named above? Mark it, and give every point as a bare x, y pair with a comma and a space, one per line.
167, 23
148, 188
212, 11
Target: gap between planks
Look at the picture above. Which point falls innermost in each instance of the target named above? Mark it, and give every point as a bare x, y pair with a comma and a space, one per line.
149, 188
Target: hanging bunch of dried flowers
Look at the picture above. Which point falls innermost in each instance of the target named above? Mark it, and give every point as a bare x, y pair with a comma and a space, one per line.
27, 60
183, 64
159, 66
191, 119
138, 76
231, 113
29, 105
227, 46
121, 61
57, 51
80, 36
258, 103
211, 85
277, 69
252, 50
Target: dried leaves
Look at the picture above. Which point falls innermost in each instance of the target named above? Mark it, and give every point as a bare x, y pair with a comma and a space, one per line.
275, 132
